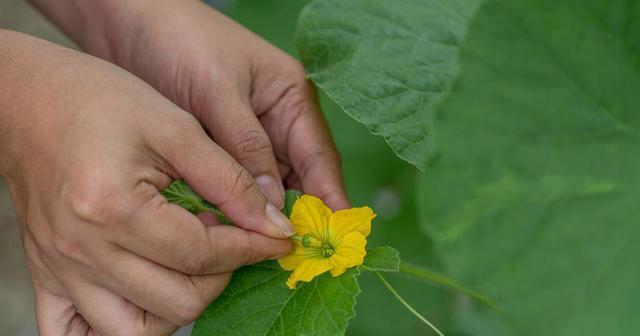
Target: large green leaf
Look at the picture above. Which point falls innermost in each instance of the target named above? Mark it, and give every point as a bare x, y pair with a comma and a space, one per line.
257, 302
533, 197
386, 63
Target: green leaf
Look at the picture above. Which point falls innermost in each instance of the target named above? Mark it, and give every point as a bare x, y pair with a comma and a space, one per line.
257, 301
533, 198
386, 63
180, 193
290, 198
385, 259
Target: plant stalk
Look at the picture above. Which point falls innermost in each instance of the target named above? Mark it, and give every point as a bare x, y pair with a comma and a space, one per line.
404, 302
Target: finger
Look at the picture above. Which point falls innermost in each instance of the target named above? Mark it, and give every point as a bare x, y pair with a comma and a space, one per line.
173, 237
111, 315
208, 219
236, 128
310, 150
57, 316
291, 180
165, 293
216, 176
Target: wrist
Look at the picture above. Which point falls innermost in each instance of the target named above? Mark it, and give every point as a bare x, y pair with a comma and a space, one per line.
9, 58
109, 29
95, 26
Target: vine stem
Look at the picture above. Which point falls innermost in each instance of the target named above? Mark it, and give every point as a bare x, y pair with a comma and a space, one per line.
431, 276
404, 302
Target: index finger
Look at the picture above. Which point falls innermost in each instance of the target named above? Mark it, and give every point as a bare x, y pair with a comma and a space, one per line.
310, 149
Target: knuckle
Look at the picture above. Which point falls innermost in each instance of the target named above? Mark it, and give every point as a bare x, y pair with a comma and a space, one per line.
298, 99
252, 143
291, 68
223, 80
130, 282
297, 96
182, 126
238, 180
189, 308
178, 136
248, 256
297, 72
198, 262
97, 199
314, 158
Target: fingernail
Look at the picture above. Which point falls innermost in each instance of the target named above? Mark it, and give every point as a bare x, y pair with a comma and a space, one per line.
280, 221
271, 190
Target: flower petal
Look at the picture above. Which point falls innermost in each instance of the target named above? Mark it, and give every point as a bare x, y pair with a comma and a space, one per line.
310, 216
293, 260
307, 270
339, 264
349, 253
351, 220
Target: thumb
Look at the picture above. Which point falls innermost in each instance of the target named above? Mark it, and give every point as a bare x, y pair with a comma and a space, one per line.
215, 175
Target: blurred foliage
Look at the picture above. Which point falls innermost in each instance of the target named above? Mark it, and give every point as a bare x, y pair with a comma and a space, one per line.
375, 177
538, 166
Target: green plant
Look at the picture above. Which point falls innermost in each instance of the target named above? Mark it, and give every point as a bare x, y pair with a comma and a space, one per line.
257, 301
523, 116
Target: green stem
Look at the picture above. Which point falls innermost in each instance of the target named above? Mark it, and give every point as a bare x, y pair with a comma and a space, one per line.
404, 302
180, 193
307, 241
431, 276
200, 206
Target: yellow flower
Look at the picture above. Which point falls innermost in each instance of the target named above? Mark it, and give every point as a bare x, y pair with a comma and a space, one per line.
326, 241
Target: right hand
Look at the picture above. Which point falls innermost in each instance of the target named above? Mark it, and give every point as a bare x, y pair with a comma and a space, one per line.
85, 148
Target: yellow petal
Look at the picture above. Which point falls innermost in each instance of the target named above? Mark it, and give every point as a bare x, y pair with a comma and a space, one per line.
339, 264
310, 216
349, 253
307, 270
351, 220
293, 260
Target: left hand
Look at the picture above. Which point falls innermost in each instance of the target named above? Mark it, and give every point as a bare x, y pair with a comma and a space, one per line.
253, 98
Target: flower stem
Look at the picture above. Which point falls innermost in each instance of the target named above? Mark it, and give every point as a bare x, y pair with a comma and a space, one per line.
307, 240
435, 277
404, 302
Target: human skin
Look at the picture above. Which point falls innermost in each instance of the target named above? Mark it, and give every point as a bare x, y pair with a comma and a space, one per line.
79, 195
253, 98
85, 148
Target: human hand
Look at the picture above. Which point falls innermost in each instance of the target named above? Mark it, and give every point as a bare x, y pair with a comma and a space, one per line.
253, 98
85, 147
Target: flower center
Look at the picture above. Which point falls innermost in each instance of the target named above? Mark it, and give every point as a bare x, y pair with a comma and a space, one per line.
324, 249
327, 250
